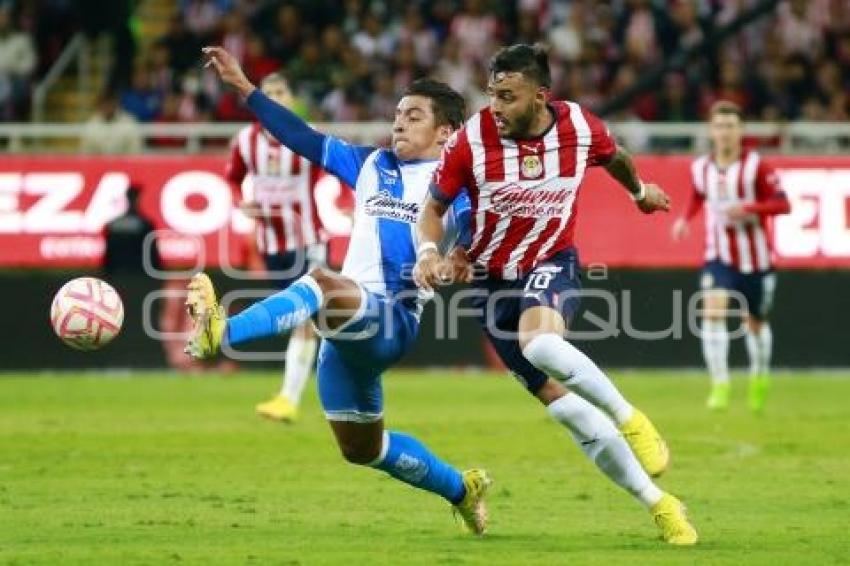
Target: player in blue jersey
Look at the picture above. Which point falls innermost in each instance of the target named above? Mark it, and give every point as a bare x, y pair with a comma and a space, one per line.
367, 315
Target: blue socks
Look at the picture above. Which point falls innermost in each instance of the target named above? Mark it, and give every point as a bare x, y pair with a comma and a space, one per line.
408, 460
277, 314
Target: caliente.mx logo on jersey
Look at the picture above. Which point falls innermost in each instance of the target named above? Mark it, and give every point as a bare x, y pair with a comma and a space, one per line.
385, 205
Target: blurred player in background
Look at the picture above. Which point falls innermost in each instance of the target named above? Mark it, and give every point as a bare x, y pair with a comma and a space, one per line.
369, 313
523, 159
277, 192
740, 193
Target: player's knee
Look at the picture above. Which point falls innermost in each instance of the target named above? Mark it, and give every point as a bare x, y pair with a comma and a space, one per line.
754, 324
526, 338
360, 454
538, 348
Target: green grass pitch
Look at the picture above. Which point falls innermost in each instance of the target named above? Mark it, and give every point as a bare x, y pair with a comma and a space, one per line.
154, 469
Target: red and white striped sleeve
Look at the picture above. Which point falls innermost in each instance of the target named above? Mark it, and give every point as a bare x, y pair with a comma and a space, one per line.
236, 169
602, 143
454, 173
770, 198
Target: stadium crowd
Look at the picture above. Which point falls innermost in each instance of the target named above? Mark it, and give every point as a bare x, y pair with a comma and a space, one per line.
350, 59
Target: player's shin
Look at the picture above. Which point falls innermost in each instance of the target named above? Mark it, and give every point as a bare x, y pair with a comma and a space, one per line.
555, 356
300, 355
759, 347
715, 349
407, 459
601, 442
765, 339
282, 312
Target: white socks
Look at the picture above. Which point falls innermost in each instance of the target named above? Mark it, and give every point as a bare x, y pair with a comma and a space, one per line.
759, 348
596, 436
300, 355
553, 355
715, 349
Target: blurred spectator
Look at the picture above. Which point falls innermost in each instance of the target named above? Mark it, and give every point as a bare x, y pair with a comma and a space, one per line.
284, 40
566, 36
113, 20
414, 31
17, 63
405, 68
184, 48
203, 17
111, 130
163, 75
676, 103
371, 40
451, 69
54, 24
257, 63
731, 88
141, 99
476, 32
352, 57
309, 71
383, 101
801, 26
125, 240
234, 35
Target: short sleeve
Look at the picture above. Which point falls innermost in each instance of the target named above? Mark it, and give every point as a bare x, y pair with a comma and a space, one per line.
698, 175
343, 159
235, 170
454, 172
767, 182
602, 144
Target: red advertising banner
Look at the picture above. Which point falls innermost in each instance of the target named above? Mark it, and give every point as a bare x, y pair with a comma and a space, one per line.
53, 211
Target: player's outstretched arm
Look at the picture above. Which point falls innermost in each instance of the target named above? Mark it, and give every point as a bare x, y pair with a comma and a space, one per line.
648, 196
336, 156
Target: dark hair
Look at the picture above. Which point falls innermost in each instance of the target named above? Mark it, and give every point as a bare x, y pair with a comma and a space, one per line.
726, 107
449, 106
530, 60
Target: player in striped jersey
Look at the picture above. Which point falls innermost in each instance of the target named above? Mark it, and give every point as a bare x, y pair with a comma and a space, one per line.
522, 160
277, 192
368, 314
740, 193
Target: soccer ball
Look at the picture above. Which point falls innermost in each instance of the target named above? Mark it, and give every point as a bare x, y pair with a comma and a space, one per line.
86, 313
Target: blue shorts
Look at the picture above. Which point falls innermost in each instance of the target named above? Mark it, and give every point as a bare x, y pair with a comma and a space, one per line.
285, 267
757, 289
353, 357
555, 282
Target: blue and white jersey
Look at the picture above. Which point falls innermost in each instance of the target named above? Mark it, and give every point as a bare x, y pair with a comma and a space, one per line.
389, 198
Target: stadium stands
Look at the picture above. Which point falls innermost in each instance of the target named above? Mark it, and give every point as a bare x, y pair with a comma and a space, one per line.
350, 59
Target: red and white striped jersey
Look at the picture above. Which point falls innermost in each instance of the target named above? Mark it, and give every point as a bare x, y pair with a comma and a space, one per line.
281, 182
523, 192
743, 244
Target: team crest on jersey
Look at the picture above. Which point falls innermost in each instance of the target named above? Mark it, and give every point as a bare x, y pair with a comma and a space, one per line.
531, 166
389, 177
385, 205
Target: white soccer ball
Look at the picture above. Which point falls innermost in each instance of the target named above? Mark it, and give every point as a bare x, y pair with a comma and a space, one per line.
87, 313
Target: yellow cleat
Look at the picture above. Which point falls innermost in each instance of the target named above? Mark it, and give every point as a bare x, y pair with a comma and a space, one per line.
648, 446
472, 510
669, 515
208, 318
278, 408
